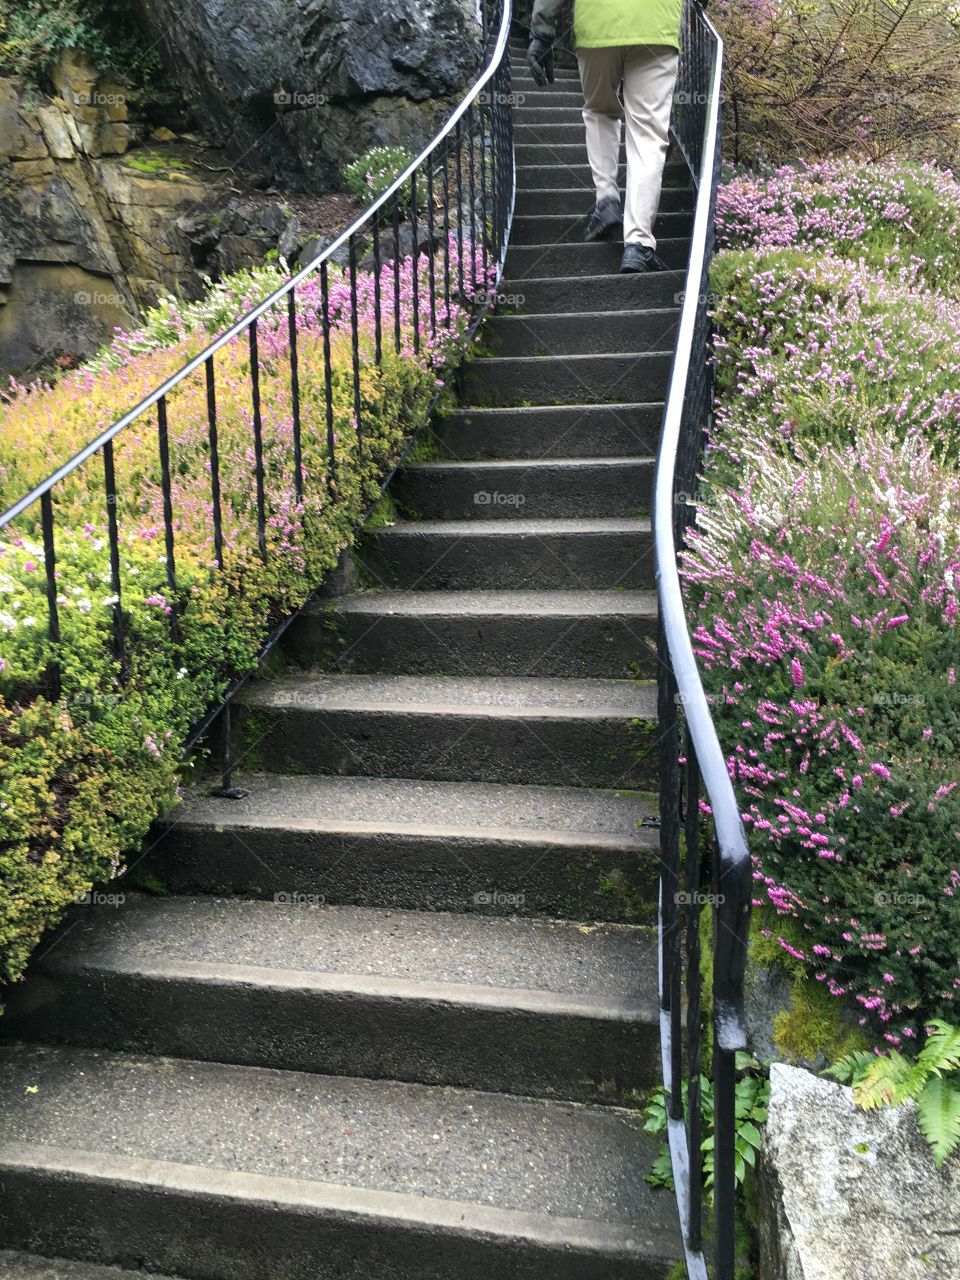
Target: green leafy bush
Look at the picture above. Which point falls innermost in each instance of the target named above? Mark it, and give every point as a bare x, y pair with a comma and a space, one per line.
34, 33
85, 773
375, 172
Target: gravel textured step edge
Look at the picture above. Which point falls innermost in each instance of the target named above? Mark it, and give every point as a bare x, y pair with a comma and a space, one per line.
434, 555
198, 991
550, 431
545, 489
551, 733
606, 290
590, 333
222, 1225
568, 853
508, 381
28, 1266
578, 201
550, 634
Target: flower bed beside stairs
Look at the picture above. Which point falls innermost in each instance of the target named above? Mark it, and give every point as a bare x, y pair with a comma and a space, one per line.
84, 775
822, 579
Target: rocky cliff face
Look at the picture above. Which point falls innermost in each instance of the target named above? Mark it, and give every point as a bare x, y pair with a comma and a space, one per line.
299, 87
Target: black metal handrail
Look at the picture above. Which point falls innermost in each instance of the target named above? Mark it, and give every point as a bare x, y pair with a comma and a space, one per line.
458, 192
693, 768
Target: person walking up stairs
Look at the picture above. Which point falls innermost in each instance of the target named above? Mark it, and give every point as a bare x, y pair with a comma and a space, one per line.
634, 47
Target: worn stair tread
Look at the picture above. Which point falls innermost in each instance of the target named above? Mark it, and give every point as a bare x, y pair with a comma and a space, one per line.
515, 528
561, 604
520, 465
514, 1154
29, 1266
521, 695
606, 970
515, 811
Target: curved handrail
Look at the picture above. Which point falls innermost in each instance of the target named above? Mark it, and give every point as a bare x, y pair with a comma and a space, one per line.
241, 325
682, 686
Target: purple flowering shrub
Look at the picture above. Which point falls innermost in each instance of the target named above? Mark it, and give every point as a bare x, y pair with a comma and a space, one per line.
822, 581
84, 775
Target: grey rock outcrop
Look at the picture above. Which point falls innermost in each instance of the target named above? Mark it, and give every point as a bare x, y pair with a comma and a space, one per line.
300, 87
850, 1194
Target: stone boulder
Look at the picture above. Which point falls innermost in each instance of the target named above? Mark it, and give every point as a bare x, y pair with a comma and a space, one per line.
848, 1194
300, 87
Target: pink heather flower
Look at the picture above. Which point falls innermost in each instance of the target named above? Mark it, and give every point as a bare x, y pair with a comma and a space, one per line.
796, 672
881, 771
888, 977
857, 782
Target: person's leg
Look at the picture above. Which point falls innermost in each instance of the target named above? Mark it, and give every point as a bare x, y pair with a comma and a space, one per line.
649, 81
601, 71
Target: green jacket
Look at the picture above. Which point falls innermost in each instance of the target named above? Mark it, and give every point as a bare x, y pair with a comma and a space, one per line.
598, 24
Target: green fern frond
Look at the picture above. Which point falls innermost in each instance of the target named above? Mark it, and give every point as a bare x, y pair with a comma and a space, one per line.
850, 1068
938, 1111
941, 1053
881, 1083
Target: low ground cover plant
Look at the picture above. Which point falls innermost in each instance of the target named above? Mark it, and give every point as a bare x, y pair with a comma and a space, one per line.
86, 772
822, 578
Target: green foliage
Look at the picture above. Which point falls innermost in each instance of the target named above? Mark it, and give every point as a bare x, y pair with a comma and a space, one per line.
34, 34
932, 1080
375, 171
752, 1101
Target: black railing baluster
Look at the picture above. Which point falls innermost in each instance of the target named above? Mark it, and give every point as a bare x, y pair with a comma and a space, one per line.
459, 137
691, 842
377, 293
113, 539
214, 444
258, 440
446, 231
53, 612
163, 443
473, 200
431, 254
484, 247
396, 272
355, 347
295, 395
328, 375
416, 263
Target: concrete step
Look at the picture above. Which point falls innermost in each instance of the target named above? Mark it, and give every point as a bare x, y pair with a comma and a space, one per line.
581, 259
565, 127
563, 852
564, 228
28, 1266
545, 555
482, 633
606, 291
533, 1007
566, 172
596, 733
219, 1172
532, 201
581, 430
553, 488
530, 98
508, 381
589, 333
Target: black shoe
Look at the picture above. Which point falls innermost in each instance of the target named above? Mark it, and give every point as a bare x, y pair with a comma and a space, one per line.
638, 259
604, 219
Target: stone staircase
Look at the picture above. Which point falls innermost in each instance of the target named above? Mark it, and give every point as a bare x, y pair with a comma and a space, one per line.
364, 1032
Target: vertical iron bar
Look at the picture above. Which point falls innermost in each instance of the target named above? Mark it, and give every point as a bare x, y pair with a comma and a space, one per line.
431, 264
214, 461
295, 396
258, 441
396, 273
483, 190
473, 201
50, 570
416, 263
459, 135
328, 374
670, 868
377, 289
355, 346
110, 492
694, 982
446, 230
163, 440
724, 1158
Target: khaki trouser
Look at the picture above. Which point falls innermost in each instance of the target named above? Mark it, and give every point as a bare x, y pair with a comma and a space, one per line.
649, 75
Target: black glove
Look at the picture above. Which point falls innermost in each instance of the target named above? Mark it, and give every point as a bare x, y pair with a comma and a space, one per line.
540, 59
